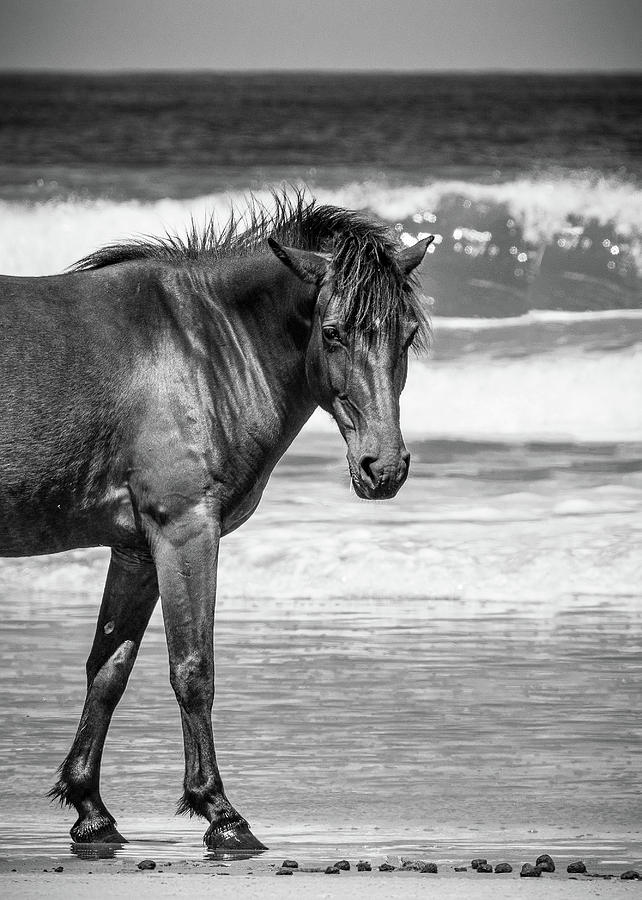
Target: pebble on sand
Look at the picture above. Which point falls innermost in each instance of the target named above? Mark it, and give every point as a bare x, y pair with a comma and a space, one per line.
485, 867
386, 867
476, 863
364, 866
431, 868
460, 869
147, 864
631, 875
289, 864
281, 871
59, 869
332, 870
576, 868
545, 863
343, 864
529, 871
503, 868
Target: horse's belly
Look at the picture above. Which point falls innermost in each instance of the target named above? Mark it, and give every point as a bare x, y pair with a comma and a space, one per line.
31, 527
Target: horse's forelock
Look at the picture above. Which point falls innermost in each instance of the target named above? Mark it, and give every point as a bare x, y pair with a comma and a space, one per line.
378, 300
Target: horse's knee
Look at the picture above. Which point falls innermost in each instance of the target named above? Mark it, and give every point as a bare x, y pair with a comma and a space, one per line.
192, 679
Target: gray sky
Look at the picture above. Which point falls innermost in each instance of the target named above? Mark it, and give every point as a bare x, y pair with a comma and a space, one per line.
321, 34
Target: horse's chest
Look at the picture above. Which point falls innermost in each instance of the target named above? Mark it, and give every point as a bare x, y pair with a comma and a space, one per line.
236, 512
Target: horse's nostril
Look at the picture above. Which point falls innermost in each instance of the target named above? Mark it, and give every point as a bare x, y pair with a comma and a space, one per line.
366, 464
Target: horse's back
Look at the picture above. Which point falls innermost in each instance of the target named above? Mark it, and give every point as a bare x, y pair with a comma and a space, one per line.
66, 342
70, 346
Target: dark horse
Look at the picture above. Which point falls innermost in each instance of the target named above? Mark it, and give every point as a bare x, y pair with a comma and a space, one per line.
147, 396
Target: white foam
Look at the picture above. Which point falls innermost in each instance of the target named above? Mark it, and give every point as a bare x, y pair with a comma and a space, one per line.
534, 316
540, 205
44, 239
589, 397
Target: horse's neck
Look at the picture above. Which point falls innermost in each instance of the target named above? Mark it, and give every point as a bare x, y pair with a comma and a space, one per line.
260, 329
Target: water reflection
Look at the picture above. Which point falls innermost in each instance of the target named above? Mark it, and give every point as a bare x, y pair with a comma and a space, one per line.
95, 851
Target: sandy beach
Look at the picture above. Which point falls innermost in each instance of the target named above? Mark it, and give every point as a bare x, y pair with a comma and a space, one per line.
258, 879
312, 886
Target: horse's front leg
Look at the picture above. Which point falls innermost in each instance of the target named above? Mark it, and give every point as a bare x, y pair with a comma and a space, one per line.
186, 552
130, 595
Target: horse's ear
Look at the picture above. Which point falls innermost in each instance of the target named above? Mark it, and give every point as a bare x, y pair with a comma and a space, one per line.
309, 267
410, 258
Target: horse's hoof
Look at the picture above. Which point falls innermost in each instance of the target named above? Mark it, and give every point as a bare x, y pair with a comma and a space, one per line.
232, 837
96, 831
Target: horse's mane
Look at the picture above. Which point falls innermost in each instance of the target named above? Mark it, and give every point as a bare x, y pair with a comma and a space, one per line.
366, 273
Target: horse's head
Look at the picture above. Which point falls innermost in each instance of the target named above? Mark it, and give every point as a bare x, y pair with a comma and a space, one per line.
366, 317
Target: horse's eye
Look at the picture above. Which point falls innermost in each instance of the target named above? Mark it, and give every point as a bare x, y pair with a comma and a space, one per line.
331, 334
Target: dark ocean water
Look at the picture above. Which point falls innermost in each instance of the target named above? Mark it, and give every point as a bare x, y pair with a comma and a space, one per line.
418, 125
455, 672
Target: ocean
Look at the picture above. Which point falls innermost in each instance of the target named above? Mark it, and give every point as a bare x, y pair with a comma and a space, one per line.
459, 670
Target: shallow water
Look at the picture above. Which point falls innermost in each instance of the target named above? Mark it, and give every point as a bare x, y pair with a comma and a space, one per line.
455, 672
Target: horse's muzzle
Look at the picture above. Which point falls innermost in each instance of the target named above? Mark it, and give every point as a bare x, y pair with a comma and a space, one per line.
379, 479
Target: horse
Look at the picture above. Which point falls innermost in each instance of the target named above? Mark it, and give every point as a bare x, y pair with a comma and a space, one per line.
148, 393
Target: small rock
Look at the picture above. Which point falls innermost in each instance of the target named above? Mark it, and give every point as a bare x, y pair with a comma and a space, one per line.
364, 866
59, 869
280, 871
386, 867
631, 875
289, 864
476, 863
332, 870
576, 868
545, 863
431, 868
529, 871
412, 865
343, 864
147, 864
485, 867
461, 869
503, 868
